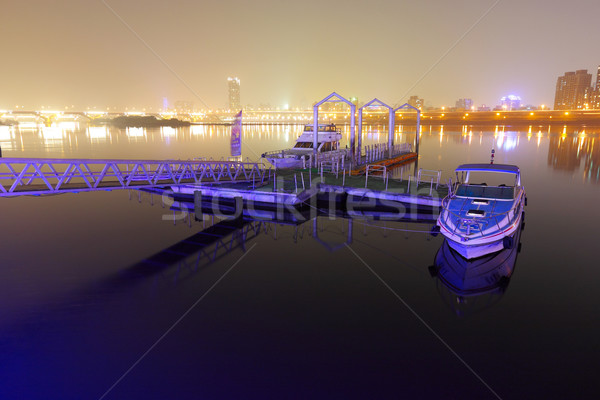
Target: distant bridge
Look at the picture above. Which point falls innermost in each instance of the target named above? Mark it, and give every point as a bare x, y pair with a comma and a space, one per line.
41, 176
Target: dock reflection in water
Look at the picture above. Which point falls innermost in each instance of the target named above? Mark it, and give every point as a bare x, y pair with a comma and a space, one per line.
468, 286
190, 255
220, 237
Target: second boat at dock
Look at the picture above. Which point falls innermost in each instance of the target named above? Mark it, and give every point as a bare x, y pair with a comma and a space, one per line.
479, 219
328, 140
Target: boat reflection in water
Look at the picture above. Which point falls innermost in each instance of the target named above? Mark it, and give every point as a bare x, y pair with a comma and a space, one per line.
468, 286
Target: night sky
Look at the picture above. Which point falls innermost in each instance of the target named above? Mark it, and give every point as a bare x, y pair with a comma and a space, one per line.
78, 52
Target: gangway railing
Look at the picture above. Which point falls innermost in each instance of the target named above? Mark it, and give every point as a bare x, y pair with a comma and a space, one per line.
371, 168
380, 151
37, 176
429, 176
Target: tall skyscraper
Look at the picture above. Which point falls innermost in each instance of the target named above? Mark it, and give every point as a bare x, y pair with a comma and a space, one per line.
234, 94
595, 97
573, 90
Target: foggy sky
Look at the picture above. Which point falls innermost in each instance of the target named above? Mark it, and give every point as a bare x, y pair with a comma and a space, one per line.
77, 52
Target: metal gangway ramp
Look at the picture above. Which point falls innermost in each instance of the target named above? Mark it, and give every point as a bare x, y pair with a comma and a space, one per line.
42, 176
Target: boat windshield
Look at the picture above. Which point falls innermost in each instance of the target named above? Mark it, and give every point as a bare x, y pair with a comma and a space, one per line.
486, 192
303, 145
322, 128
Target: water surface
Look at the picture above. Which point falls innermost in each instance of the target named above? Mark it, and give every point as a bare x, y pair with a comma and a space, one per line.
90, 282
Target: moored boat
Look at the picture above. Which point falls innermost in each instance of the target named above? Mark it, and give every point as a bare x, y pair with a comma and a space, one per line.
328, 142
479, 219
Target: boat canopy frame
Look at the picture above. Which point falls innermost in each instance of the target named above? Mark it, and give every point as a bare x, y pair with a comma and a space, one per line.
376, 103
333, 98
498, 168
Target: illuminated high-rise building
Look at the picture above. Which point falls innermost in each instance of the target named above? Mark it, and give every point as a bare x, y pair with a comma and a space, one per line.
595, 93
234, 94
510, 102
573, 90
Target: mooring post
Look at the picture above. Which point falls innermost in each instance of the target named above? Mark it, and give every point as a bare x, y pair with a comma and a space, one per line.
359, 133
353, 127
391, 129
387, 178
315, 129
418, 131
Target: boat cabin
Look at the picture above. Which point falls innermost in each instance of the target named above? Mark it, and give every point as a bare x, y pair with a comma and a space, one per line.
328, 138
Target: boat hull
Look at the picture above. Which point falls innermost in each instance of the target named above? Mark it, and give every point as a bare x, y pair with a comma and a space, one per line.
484, 245
470, 251
285, 162
492, 238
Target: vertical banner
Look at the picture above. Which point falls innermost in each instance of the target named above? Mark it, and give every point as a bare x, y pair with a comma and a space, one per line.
236, 136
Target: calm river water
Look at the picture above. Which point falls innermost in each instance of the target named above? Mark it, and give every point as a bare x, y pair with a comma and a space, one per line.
98, 299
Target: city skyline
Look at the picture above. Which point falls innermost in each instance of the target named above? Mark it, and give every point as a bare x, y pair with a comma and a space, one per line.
109, 54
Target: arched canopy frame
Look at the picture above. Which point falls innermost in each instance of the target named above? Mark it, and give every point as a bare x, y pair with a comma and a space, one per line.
418, 130
332, 98
376, 103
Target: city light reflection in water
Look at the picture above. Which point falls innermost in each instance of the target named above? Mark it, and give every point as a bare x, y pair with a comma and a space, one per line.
90, 281
571, 149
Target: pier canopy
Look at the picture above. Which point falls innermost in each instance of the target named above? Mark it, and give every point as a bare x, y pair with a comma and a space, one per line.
418, 130
377, 103
332, 98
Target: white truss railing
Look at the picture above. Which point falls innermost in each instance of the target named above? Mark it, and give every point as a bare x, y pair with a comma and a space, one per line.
380, 151
32, 176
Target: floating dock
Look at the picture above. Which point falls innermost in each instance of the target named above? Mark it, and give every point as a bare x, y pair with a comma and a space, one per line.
387, 162
302, 191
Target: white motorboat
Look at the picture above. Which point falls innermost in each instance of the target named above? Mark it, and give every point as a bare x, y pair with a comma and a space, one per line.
328, 142
479, 219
